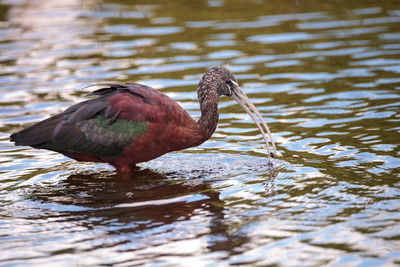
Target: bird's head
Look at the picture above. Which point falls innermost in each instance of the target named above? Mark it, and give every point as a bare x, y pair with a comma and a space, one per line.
219, 81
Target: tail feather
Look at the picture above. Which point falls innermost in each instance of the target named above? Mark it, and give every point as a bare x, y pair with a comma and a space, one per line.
37, 134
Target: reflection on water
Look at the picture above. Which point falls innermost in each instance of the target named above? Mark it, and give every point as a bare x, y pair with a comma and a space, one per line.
325, 76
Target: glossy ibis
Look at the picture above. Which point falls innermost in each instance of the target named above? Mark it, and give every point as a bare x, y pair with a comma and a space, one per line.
131, 123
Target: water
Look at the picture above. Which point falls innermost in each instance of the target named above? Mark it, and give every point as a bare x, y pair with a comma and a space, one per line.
324, 74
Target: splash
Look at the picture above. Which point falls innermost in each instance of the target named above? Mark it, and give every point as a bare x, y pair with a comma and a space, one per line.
211, 166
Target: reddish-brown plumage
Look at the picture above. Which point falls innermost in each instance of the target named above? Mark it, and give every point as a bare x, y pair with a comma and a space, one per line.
170, 128
131, 123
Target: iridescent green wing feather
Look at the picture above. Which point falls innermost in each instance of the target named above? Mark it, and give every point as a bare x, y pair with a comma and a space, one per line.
108, 139
94, 128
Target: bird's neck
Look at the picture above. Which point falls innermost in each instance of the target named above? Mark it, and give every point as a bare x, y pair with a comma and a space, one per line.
209, 114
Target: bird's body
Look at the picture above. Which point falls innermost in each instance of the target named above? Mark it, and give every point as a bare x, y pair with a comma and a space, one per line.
129, 123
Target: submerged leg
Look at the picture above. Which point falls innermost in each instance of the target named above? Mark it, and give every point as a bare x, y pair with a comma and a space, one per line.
124, 171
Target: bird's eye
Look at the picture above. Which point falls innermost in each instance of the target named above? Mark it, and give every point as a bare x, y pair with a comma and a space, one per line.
232, 82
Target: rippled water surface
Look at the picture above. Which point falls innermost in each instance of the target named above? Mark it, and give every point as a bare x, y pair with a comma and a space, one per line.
324, 74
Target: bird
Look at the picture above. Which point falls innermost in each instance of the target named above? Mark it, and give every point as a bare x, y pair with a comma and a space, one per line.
123, 124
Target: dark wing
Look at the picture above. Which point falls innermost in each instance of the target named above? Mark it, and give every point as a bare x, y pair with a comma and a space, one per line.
102, 127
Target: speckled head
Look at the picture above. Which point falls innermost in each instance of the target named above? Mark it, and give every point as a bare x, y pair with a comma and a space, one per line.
218, 79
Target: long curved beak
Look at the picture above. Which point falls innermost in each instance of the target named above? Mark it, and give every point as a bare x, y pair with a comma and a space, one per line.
245, 103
